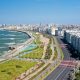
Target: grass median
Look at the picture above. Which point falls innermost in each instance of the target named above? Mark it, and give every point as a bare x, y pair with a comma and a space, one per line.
55, 54
59, 47
48, 50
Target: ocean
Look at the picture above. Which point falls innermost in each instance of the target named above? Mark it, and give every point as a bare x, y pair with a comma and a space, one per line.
9, 38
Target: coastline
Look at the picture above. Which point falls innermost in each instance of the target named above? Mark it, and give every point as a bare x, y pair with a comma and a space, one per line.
19, 31
13, 53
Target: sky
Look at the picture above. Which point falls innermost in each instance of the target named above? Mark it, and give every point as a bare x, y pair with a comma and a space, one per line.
39, 11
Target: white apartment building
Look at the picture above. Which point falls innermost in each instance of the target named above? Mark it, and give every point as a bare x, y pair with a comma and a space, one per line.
73, 37
53, 29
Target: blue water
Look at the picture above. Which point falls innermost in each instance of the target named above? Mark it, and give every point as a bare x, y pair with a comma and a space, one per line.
29, 47
8, 38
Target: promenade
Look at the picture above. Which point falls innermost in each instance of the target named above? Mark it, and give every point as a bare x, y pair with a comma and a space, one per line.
48, 67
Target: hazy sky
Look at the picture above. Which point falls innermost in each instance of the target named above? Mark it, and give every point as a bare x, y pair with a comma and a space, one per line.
36, 11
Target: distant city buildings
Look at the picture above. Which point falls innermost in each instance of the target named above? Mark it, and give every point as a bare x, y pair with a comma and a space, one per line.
35, 27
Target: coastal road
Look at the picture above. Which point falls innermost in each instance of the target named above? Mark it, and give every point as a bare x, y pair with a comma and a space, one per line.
61, 73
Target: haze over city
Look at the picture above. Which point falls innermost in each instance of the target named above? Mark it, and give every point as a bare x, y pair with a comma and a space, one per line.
39, 11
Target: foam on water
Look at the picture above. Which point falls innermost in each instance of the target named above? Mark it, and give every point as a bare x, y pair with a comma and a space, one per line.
8, 38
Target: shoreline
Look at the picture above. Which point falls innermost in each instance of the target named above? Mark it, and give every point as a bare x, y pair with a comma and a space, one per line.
19, 31
13, 53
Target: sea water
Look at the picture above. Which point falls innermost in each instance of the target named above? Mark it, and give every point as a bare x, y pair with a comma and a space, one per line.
9, 38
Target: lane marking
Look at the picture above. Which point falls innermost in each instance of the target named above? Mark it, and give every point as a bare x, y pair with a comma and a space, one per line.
65, 75
60, 73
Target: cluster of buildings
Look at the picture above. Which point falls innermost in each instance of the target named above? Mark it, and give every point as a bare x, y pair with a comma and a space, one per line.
29, 27
73, 38
44, 28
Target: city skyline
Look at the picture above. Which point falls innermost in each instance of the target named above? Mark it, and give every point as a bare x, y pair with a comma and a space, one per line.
39, 11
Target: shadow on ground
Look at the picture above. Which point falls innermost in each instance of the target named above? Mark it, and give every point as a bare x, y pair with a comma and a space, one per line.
73, 52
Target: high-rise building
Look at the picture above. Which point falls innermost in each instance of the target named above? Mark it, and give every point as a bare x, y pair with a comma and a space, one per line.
53, 29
